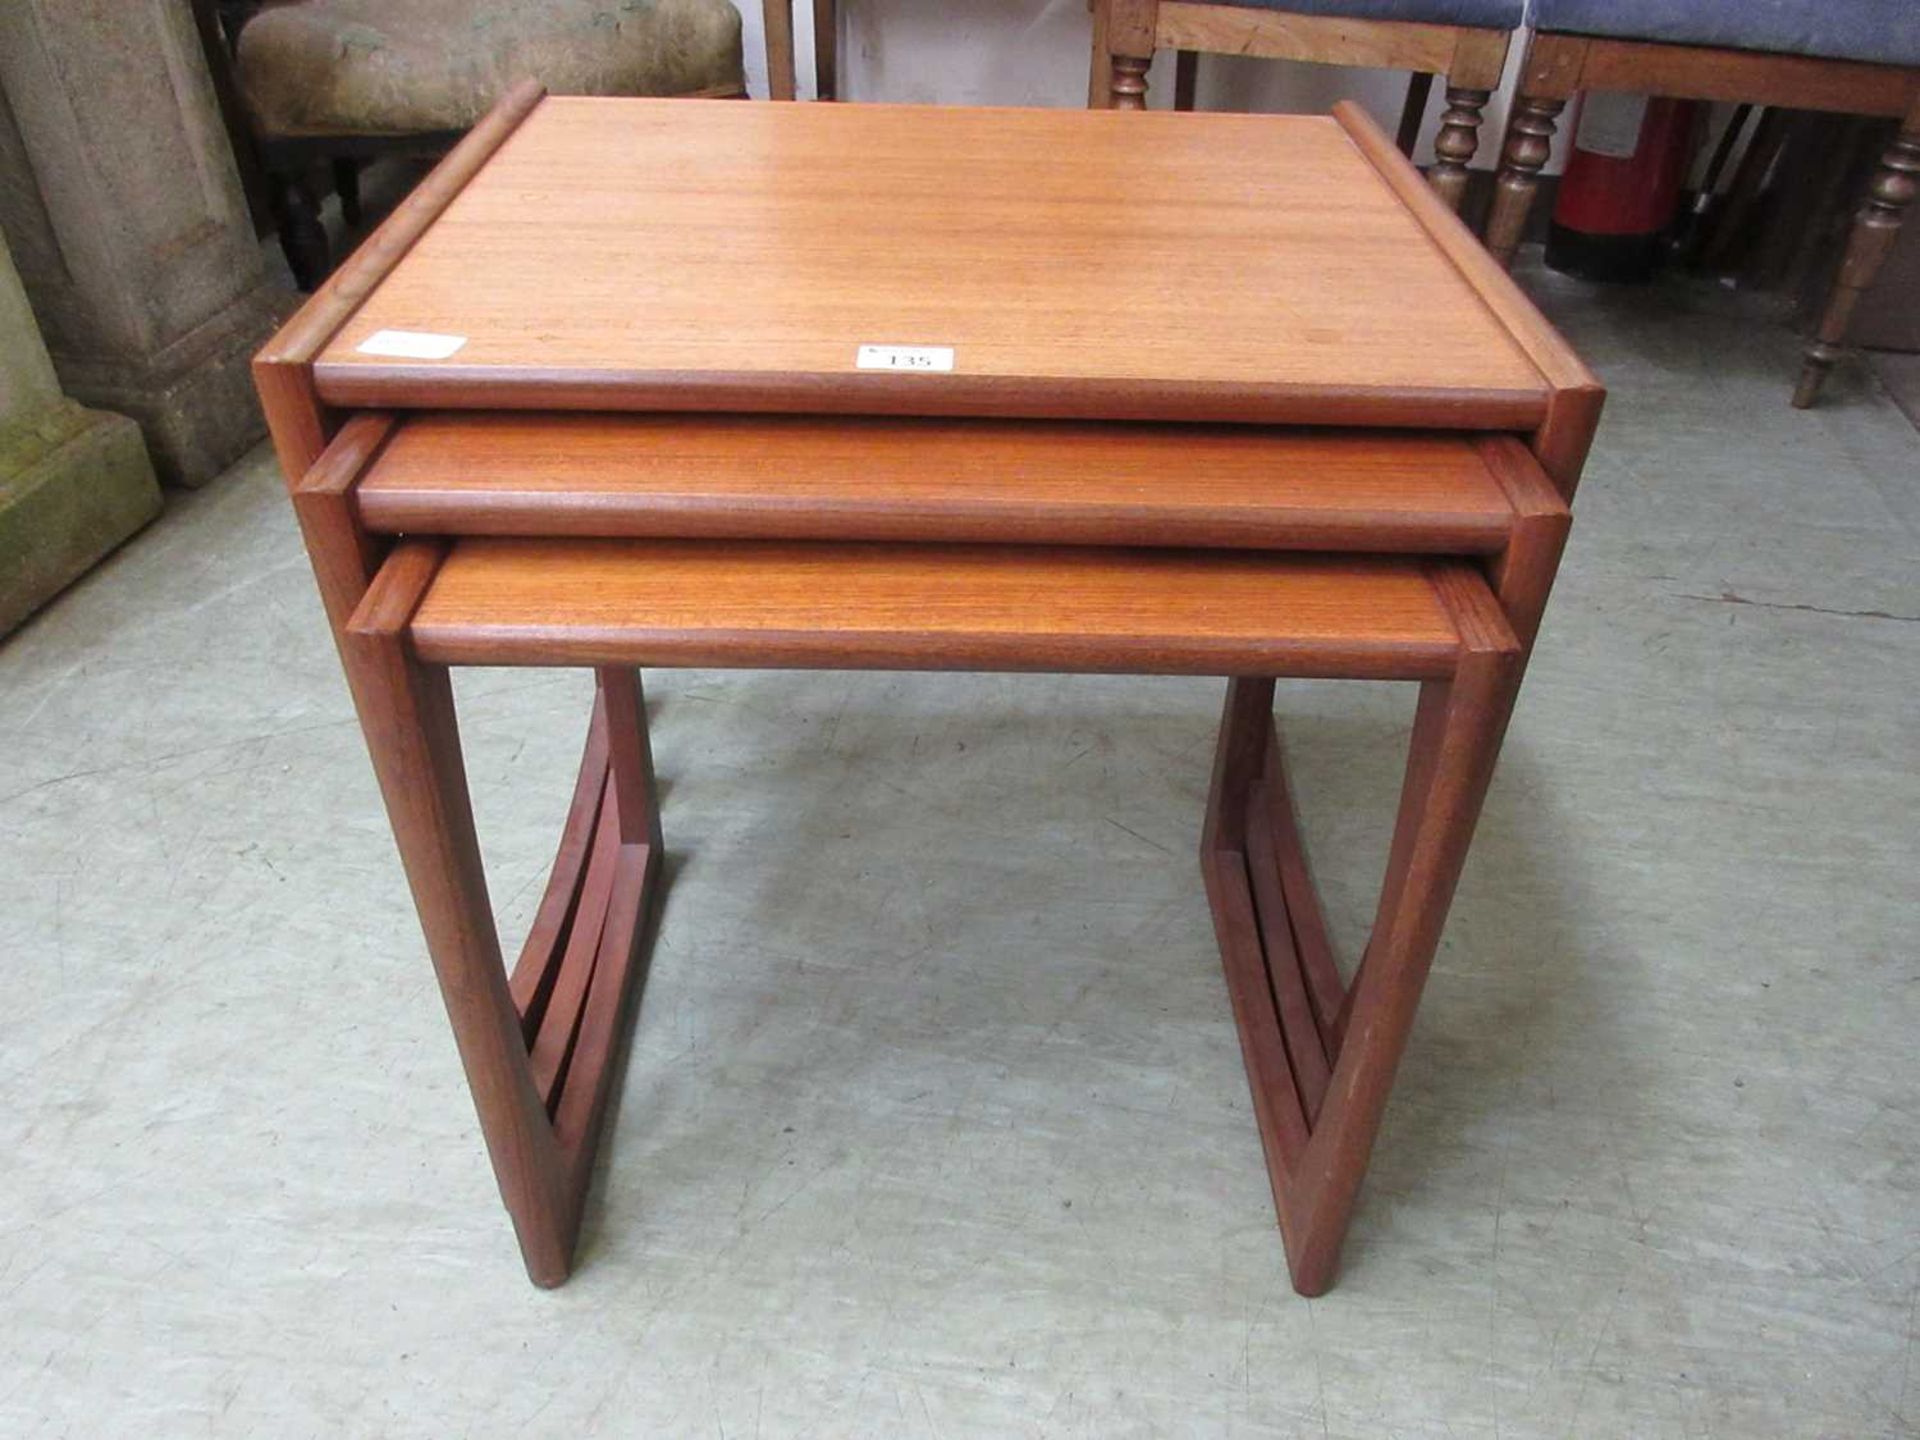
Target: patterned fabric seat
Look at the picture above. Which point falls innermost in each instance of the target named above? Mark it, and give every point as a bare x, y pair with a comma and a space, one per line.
1884, 32
409, 67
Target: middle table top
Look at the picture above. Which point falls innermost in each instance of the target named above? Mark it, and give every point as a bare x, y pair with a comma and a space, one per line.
819, 477
660, 255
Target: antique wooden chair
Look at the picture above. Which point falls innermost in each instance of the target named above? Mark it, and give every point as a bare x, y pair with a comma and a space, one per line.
344, 81
1465, 40
1855, 56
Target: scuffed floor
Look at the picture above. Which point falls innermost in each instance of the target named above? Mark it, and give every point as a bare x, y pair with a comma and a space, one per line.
935, 1123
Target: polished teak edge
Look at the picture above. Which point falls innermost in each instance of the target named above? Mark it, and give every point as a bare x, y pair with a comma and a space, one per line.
765, 477
799, 605
636, 255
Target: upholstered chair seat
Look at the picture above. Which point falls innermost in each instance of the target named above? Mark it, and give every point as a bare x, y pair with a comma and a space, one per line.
1881, 32
407, 67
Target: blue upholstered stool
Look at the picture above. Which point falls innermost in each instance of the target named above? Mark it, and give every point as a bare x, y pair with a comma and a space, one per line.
1858, 57
1465, 40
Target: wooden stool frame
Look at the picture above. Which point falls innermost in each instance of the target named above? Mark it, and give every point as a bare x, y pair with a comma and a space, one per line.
538, 1044
1126, 33
1556, 67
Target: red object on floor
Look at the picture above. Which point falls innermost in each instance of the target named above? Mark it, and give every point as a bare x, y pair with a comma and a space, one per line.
1621, 189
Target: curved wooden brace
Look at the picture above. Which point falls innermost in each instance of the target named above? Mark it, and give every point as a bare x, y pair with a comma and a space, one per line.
576, 968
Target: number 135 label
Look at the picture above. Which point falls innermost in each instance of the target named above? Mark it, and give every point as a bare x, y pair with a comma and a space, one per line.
904, 357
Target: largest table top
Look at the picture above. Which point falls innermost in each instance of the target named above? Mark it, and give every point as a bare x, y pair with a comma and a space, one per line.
635, 254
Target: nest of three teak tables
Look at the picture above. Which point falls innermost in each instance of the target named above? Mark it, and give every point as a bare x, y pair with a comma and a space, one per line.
635, 383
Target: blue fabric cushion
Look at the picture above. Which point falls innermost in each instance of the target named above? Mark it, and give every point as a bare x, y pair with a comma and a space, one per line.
1483, 14
1884, 31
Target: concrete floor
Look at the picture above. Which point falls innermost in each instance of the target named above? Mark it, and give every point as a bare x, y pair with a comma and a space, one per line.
935, 1123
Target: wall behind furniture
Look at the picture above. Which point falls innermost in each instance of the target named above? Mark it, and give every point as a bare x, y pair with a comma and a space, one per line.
1034, 52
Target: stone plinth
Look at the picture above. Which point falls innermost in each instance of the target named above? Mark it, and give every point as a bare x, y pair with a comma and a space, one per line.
121, 203
74, 482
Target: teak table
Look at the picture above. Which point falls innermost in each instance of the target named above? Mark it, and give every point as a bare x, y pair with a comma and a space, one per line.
628, 383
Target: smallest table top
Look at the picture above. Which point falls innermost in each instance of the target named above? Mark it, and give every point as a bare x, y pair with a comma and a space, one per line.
786, 605
672, 255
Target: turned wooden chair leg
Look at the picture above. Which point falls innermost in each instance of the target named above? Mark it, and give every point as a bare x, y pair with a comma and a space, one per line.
1454, 146
1128, 85
1875, 226
1529, 143
1186, 78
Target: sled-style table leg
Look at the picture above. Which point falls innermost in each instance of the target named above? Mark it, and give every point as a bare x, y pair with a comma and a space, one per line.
538, 1049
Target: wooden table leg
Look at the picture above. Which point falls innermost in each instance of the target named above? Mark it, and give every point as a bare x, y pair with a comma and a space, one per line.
1320, 1081
538, 1051
1522, 577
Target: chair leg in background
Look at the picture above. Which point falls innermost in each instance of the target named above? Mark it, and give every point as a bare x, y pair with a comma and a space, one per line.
1456, 143
1186, 78
826, 49
1529, 143
346, 184
1413, 112
1128, 86
1875, 227
303, 238
776, 28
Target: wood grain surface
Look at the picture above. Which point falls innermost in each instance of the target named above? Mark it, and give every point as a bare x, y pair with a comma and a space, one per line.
304, 336
779, 477
793, 605
1572, 414
642, 254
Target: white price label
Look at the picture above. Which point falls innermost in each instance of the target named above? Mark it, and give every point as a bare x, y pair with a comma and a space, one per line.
904, 357
1610, 124
410, 344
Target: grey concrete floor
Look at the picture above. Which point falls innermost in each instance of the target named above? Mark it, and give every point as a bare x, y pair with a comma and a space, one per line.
935, 1123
